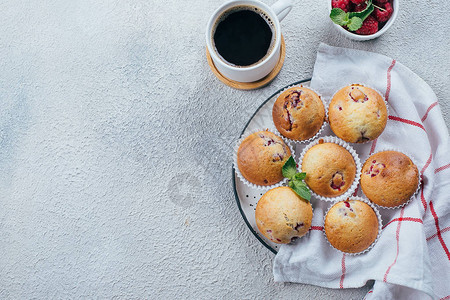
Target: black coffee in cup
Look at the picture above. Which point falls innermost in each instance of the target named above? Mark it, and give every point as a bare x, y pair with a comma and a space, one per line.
243, 36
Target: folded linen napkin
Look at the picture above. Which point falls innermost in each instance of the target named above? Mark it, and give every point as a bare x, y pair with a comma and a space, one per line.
411, 259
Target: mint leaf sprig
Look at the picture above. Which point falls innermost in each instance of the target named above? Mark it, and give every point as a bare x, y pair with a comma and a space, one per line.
352, 20
296, 182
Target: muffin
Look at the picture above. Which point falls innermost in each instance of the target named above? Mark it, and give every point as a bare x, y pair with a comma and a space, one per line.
298, 113
389, 178
330, 169
282, 215
357, 114
351, 226
261, 157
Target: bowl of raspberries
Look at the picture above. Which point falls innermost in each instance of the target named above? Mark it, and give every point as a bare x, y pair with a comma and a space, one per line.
363, 19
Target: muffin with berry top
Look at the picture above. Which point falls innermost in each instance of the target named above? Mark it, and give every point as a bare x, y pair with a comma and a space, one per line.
298, 113
351, 226
261, 156
330, 169
389, 178
357, 114
282, 215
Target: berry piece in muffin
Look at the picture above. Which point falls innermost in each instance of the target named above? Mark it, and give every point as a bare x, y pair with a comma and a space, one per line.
282, 215
261, 157
351, 226
389, 178
330, 169
298, 113
357, 114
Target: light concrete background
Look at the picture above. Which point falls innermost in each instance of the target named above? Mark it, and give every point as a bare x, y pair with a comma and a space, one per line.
115, 160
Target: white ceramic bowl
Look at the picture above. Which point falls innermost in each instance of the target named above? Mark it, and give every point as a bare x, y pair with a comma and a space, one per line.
358, 37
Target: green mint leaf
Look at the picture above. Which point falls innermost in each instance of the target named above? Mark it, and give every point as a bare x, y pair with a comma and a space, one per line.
339, 16
289, 168
364, 13
301, 189
354, 24
300, 176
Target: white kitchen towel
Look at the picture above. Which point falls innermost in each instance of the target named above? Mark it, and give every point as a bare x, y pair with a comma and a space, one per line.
411, 260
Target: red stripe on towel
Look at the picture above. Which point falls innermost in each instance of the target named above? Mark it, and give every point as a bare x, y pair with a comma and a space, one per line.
442, 168
388, 85
397, 236
341, 283
409, 122
428, 110
404, 219
435, 235
316, 228
439, 235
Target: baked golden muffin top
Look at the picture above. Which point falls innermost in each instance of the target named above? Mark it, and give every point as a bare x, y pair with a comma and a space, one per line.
351, 226
282, 215
298, 113
261, 156
357, 114
389, 178
330, 169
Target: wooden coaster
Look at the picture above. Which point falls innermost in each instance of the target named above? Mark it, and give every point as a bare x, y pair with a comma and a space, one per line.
250, 85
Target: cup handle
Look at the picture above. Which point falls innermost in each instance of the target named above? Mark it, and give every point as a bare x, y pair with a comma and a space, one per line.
282, 8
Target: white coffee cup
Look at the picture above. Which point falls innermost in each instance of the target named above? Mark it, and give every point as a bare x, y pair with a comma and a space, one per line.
276, 13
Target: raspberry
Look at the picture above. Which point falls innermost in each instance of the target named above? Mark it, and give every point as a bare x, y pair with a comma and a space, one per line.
342, 4
380, 2
357, 2
359, 7
383, 16
369, 26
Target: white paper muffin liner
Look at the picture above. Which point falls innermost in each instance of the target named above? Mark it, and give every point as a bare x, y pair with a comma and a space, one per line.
238, 172
380, 224
293, 239
338, 141
418, 170
365, 85
324, 124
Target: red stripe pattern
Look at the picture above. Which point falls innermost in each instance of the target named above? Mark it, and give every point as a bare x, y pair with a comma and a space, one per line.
438, 230
435, 235
316, 228
341, 283
422, 197
397, 236
427, 163
374, 144
394, 118
428, 110
441, 168
369, 292
417, 220
356, 191
388, 85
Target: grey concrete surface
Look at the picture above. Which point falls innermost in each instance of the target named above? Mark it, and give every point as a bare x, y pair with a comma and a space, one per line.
115, 146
